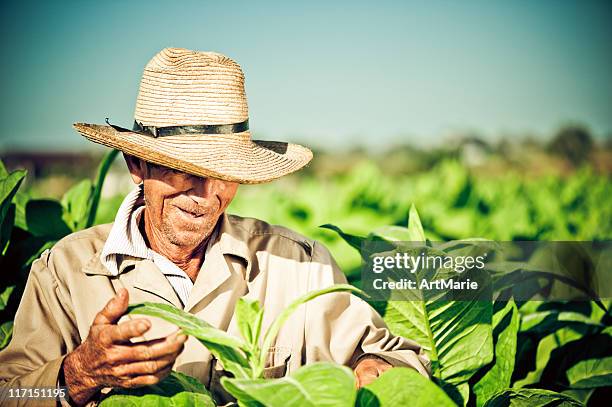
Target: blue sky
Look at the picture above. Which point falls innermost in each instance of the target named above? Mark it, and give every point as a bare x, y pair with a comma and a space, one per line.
321, 73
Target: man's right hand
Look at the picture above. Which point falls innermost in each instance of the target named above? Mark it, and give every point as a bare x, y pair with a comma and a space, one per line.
107, 358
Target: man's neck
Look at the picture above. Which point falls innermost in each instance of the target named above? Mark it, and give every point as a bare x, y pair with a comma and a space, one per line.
188, 259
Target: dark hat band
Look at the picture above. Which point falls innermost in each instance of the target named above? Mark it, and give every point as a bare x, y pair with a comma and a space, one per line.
154, 131
191, 129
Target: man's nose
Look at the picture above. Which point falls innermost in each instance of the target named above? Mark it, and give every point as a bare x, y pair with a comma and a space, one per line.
200, 187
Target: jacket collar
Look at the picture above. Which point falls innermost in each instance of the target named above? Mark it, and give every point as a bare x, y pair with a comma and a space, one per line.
144, 275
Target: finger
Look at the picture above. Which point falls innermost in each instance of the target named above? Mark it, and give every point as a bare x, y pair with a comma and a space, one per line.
168, 338
140, 381
114, 309
172, 345
144, 368
177, 336
164, 373
146, 380
125, 331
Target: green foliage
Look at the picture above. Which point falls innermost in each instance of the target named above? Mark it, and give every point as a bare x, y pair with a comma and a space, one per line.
318, 384
6, 331
270, 335
453, 203
474, 356
402, 387
590, 373
29, 226
250, 316
495, 353
81, 201
44, 219
245, 361
531, 398
229, 350
76, 202
9, 184
175, 390
243, 358
456, 334
4, 297
497, 375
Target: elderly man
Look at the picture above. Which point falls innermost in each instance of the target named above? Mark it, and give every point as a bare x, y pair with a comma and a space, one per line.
172, 242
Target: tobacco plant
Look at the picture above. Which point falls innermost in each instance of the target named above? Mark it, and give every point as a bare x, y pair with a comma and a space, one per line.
318, 384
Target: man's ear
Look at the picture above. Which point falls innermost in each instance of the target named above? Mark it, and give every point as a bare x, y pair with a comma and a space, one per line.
136, 167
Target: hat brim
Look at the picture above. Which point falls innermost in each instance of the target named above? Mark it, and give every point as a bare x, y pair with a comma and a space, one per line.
230, 157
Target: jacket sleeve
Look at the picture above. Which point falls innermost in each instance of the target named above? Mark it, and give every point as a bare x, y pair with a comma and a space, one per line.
43, 333
343, 328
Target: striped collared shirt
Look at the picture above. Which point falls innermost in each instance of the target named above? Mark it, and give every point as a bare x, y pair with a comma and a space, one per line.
125, 239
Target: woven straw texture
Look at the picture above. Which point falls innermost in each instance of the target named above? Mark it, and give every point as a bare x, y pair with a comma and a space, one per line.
183, 87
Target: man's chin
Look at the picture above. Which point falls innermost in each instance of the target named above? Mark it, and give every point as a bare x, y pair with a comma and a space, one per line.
188, 238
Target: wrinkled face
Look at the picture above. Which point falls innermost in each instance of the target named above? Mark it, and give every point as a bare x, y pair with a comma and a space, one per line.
183, 207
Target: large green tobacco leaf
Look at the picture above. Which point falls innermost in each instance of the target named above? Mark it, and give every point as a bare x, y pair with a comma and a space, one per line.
456, 335
534, 354
44, 219
581, 363
544, 328
543, 323
318, 384
591, 373
531, 398
496, 376
176, 390
402, 387
228, 349
184, 320
508, 275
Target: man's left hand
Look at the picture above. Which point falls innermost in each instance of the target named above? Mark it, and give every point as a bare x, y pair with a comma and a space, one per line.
369, 368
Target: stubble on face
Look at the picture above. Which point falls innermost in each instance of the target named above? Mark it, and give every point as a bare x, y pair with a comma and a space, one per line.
186, 233
183, 210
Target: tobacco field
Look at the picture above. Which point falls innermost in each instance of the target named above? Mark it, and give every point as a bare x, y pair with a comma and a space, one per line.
483, 353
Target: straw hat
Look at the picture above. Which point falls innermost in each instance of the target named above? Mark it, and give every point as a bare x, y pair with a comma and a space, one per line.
191, 115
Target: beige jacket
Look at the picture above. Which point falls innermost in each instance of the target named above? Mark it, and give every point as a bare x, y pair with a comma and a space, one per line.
68, 285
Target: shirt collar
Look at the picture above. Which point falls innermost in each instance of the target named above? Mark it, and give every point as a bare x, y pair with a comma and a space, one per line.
124, 238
